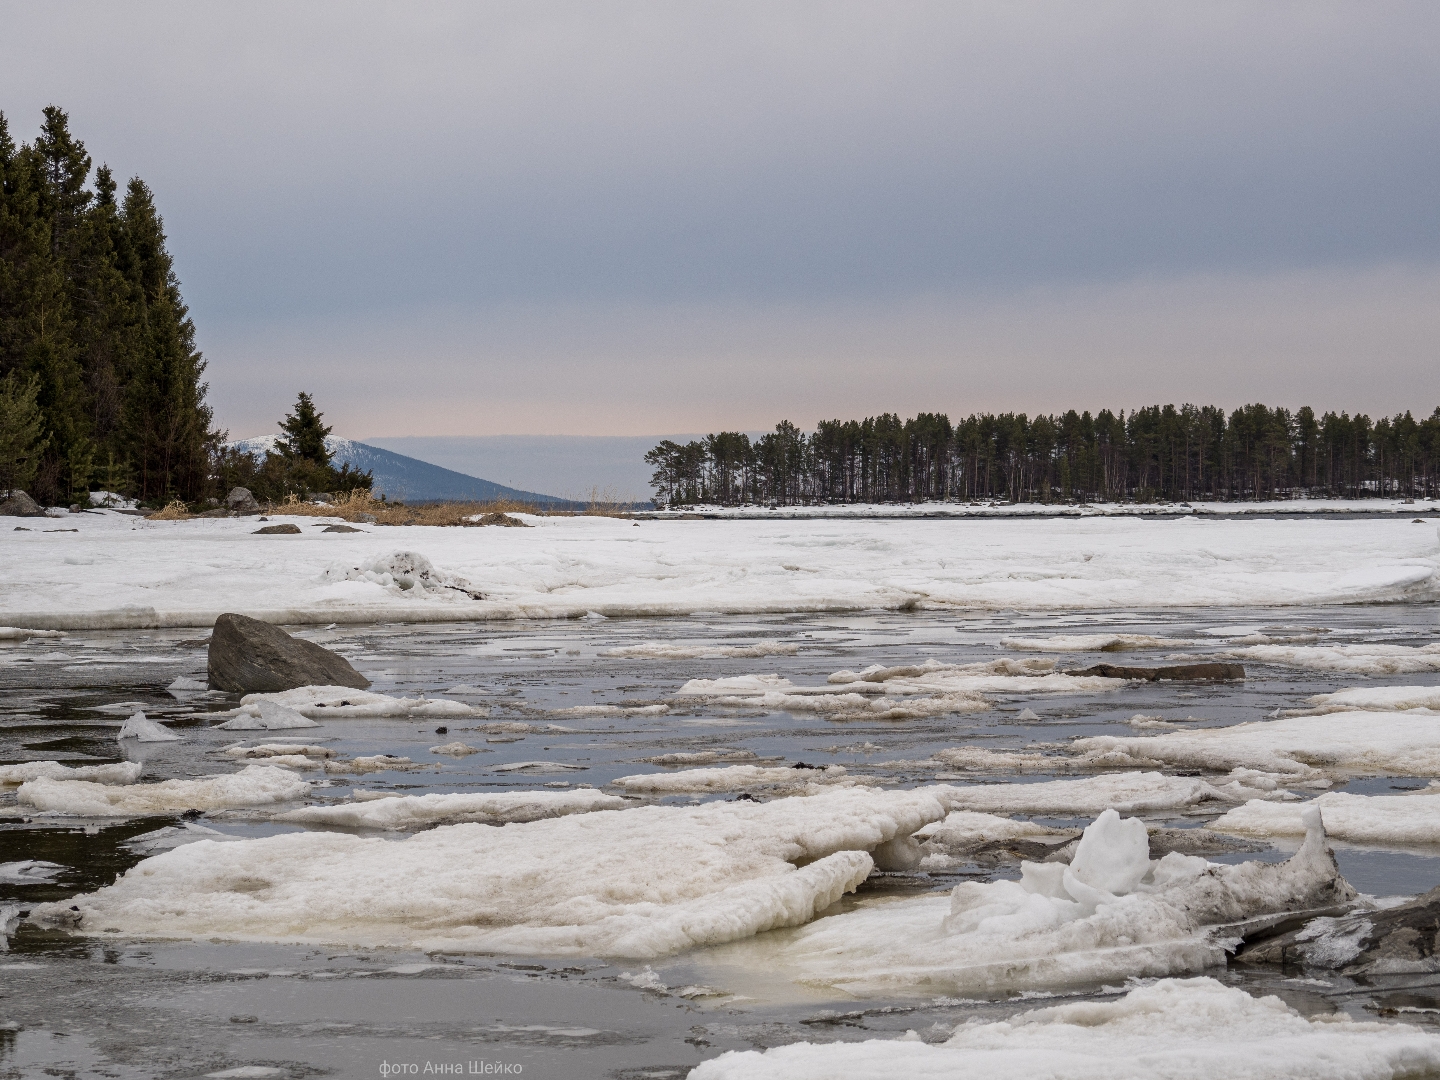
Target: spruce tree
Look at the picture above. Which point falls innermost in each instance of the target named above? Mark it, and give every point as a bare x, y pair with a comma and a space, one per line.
304, 438
21, 432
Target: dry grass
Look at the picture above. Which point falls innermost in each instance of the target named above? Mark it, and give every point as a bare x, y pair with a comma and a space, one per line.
174, 511
360, 506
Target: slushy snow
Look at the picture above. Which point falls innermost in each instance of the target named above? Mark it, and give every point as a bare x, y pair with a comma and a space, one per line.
1175, 1029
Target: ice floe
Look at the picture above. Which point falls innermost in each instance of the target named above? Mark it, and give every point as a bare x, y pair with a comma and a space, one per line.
173, 836
142, 728
1178, 1029
540, 766
641, 882
1345, 743
266, 715
1378, 698
1360, 819
1363, 659
255, 785
319, 702
1111, 914
423, 811
121, 772
279, 749
29, 872
1127, 792
659, 650
733, 778
456, 749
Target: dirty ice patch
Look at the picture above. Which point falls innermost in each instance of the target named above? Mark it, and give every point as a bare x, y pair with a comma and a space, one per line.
733, 778
1179, 1029
642, 882
1297, 747
255, 785
319, 702
1378, 699
1350, 659
660, 650
1127, 792
121, 772
1111, 914
424, 811
29, 872
1397, 820
1091, 643
142, 728
405, 573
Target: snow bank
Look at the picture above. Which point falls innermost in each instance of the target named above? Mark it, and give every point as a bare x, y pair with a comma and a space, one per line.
121, 772
733, 778
342, 701
1359, 819
659, 650
144, 729
185, 573
422, 811
1348, 743
1091, 643
255, 785
1127, 792
1178, 1029
1379, 698
1111, 914
1352, 659
641, 882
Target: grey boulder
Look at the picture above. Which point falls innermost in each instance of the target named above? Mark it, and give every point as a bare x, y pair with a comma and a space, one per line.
240, 501
18, 504
248, 656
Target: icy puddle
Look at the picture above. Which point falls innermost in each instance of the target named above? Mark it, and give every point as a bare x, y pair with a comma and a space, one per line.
609, 847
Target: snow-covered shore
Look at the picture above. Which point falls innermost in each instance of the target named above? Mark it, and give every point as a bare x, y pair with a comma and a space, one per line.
114, 571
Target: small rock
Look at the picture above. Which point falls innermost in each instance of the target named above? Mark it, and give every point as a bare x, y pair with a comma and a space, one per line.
341, 528
442, 730
241, 501
277, 530
1183, 672
366, 519
248, 656
18, 504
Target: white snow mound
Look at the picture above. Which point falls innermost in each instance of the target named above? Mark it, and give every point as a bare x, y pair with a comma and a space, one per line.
1178, 1029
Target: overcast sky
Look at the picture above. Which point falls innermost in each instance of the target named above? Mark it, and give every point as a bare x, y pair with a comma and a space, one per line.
625, 219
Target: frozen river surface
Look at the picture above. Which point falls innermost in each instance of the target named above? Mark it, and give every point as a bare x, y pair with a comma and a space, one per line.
647, 948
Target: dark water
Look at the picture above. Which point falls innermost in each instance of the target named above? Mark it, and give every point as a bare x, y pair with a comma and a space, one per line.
75, 1007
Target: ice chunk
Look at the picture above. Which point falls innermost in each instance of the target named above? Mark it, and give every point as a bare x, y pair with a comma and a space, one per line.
422, 811
1363, 659
20, 633
121, 772
1359, 819
739, 685
406, 572
182, 685
1062, 925
1128, 792
173, 836
612, 710
1379, 699
1403, 744
29, 872
964, 828
702, 757
541, 766
373, 763
266, 715
659, 650
330, 701
653, 880
143, 728
279, 749
456, 749
733, 778
1179, 1029
255, 785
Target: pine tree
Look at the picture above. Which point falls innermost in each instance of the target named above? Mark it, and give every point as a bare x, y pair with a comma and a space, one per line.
21, 432
304, 437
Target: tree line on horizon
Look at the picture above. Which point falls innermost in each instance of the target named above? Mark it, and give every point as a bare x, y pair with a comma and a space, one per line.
1154, 453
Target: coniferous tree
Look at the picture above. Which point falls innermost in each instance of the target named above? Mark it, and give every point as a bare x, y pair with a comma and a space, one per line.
21, 432
304, 437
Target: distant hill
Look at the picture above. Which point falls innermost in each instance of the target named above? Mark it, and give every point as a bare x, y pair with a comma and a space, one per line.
407, 479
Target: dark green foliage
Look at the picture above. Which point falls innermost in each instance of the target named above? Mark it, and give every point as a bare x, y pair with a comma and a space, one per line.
21, 427
90, 308
1159, 452
304, 438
